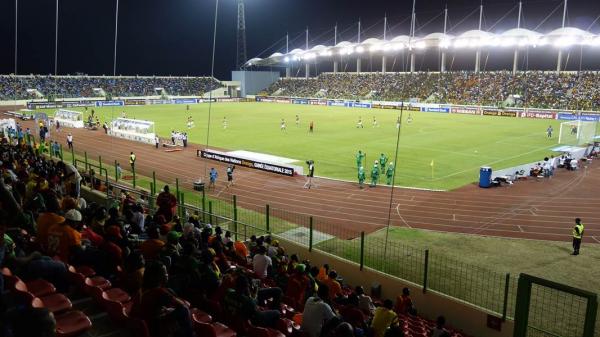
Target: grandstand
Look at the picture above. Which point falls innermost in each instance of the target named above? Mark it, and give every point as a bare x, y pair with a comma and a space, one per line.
16, 87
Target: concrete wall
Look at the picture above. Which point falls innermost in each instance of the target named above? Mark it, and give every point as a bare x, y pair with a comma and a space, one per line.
468, 318
252, 82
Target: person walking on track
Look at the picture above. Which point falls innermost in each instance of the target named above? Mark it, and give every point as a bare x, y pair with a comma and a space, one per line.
132, 161
70, 141
577, 236
230, 169
213, 174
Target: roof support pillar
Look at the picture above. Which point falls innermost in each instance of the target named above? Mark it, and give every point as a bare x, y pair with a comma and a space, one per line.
383, 64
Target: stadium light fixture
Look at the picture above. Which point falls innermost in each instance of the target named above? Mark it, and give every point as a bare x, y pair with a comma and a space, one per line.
564, 42
420, 45
398, 46
445, 43
360, 49
286, 59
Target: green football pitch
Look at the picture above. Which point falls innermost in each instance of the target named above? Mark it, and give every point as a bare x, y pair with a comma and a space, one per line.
456, 145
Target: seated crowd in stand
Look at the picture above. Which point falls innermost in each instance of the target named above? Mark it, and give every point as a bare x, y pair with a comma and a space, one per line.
15, 87
576, 91
164, 268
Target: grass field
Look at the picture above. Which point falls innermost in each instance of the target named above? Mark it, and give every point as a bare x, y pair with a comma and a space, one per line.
456, 144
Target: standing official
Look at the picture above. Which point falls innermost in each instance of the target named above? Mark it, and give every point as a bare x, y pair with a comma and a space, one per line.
310, 175
70, 141
132, 161
577, 236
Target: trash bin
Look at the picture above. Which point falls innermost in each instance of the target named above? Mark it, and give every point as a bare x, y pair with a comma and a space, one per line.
198, 186
485, 177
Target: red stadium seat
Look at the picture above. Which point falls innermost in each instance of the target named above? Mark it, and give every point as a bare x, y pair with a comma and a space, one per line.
56, 303
96, 281
199, 316
287, 327
85, 271
214, 330
256, 331
116, 294
72, 323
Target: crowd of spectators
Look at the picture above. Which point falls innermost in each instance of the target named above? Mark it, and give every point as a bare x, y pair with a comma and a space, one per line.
169, 264
15, 87
538, 89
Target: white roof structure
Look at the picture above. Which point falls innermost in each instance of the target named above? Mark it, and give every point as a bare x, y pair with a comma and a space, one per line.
473, 39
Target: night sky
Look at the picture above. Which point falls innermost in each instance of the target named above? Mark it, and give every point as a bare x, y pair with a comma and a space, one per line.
174, 37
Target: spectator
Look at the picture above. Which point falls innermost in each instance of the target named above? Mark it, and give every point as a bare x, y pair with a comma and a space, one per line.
384, 317
316, 312
63, 238
404, 304
162, 311
438, 330
365, 303
166, 203
335, 289
261, 263
152, 247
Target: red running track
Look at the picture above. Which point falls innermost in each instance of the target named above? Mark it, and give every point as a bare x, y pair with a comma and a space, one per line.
533, 209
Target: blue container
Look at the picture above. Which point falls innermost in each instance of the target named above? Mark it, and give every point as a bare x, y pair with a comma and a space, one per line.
485, 177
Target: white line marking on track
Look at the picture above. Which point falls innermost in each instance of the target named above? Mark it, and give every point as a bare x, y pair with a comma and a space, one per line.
453, 217
521, 229
593, 237
400, 215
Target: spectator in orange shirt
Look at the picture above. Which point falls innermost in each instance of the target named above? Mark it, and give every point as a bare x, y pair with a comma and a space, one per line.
166, 203
335, 289
404, 304
46, 220
323, 272
63, 238
152, 247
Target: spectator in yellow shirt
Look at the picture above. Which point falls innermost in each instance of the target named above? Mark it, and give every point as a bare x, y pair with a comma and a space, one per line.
384, 317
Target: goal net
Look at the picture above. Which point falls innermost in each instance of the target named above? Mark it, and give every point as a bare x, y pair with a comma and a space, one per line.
577, 132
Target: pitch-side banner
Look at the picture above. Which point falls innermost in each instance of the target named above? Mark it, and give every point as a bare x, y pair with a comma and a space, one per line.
286, 171
110, 103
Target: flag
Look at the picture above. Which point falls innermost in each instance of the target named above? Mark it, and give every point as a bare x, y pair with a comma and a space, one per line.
431, 164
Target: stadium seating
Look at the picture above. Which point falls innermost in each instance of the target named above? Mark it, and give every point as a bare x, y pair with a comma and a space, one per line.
15, 87
533, 88
94, 282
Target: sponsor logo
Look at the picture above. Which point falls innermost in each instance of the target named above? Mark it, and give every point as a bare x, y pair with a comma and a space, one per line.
538, 114
110, 103
288, 171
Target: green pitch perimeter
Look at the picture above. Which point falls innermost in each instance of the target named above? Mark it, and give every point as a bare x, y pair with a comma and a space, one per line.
457, 144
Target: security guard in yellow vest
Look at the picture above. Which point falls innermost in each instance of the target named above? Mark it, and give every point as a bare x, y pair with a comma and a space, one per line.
577, 236
132, 161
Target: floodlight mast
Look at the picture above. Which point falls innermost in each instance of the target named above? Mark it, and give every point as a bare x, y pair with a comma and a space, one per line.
241, 56
559, 61
288, 71
335, 62
443, 58
478, 53
307, 66
412, 36
383, 61
358, 63
56, 41
516, 57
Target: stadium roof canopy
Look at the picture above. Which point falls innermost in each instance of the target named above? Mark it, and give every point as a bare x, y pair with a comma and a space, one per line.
473, 39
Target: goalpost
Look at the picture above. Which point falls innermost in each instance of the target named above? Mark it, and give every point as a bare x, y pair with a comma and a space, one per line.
577, 132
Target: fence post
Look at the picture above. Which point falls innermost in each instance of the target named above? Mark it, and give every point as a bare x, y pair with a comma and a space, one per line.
506, 287
177, 189
362, 250
203, 205
116, 173
86, 160
73, 156
235, 227
100, 163
425, 270
267, 218
183, 207
133, 171
210, 212
310, 234
61, 153
154, 181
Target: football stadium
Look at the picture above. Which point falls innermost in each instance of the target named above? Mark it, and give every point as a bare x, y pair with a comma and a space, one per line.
431, 171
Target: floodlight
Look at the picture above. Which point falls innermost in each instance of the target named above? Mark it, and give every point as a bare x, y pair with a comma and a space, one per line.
375, 47
420, 45
286, 59
507, 42
565, 41
387, 47
360, 49
398, 46
445, 43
